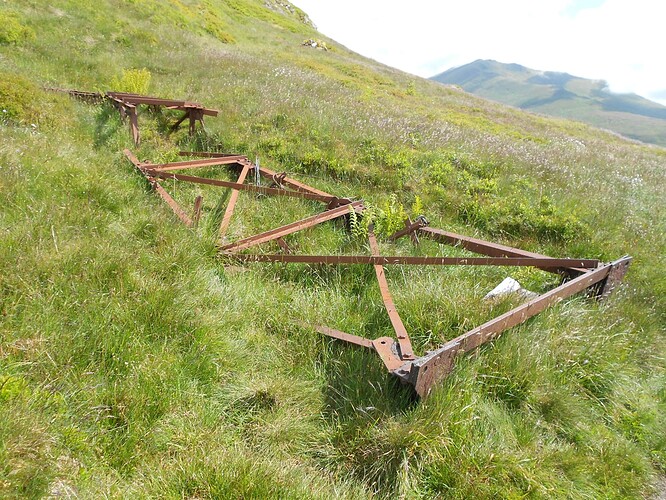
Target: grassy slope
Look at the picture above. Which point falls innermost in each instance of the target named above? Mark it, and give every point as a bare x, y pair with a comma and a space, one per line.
132, 363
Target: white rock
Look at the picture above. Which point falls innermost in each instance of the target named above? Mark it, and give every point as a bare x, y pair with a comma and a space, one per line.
507, 286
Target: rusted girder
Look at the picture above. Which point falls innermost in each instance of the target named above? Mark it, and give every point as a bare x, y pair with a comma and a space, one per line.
337, 334
180, 213
427, 370
231, 206
209, 162
410, 229
545, 262
246, 187
488, 248
423, 372
406, 350
89, 97
294, 227
205, 154
137, 99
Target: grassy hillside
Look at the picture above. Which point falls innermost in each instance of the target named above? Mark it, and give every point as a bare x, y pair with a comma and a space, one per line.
134, 363
562, 95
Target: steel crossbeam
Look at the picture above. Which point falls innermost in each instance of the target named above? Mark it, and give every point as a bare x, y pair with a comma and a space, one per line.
545, 262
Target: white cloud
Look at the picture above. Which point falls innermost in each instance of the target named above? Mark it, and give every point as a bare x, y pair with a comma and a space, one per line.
617, 41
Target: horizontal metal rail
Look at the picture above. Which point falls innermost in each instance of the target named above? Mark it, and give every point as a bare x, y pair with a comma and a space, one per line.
205, 154
546, 262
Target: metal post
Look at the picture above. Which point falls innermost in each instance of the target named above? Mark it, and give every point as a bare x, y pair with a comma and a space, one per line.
256, 172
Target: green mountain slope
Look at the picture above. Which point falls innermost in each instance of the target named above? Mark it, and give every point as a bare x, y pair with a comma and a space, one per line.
135, 363
562, 95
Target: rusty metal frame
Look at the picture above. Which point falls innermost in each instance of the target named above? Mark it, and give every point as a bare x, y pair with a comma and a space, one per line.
127, 104
420, 372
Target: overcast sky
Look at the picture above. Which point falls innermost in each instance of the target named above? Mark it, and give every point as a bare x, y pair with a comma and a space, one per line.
620, 41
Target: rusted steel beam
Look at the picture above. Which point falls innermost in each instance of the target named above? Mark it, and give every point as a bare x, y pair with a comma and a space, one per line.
246, 187
284, 245
175, 126
180, 213
292, 183
386, 347
294, 227
265, 172
196, 115
384, 260
426, 371
121, 107
196, 215
410, 229
347, 337
134, 125
134, 160
90, 97
231, 206
487, 248
406, 350
209, 162
615, 276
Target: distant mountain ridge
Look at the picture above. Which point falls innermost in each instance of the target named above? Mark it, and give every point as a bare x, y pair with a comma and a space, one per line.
562, 95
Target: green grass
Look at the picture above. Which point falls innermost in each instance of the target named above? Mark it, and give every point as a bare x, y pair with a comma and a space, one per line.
135, 363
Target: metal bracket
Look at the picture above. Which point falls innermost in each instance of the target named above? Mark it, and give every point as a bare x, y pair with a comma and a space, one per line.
615, 276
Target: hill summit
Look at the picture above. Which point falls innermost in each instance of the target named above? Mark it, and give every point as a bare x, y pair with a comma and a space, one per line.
562, 95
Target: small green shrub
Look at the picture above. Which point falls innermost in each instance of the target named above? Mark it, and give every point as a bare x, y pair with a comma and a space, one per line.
134, 81
13, 32
18, 99
517, 218
214, 26
386, 220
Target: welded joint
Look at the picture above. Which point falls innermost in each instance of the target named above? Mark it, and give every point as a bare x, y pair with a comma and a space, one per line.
278, 180
411, 229
617, 272
388, 351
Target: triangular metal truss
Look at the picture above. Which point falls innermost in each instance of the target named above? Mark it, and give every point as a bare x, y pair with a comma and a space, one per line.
397, 354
